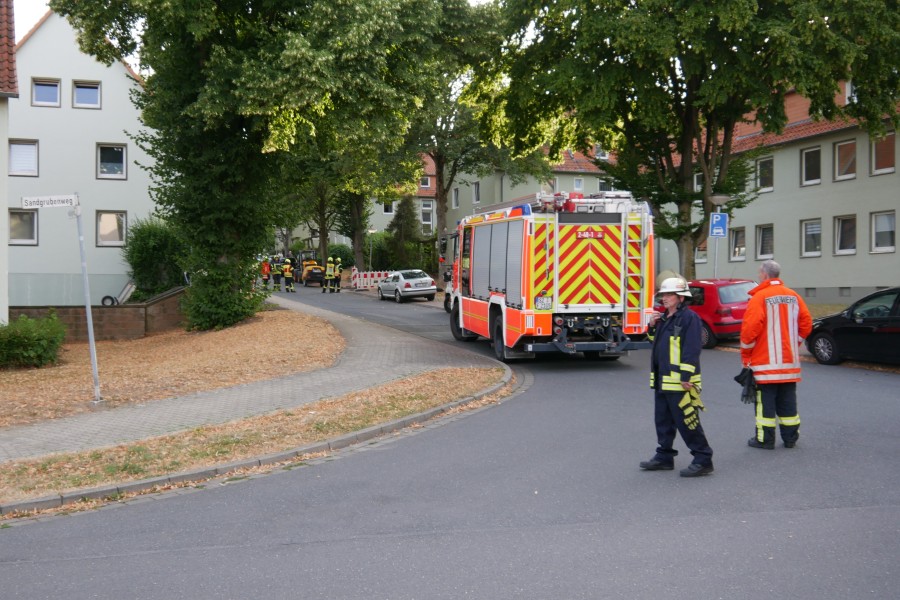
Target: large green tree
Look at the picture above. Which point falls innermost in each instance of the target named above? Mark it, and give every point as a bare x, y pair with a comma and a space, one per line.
663, 83
230, 85
447, 126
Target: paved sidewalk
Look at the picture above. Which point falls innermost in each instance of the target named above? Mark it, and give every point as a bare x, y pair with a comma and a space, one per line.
374, 355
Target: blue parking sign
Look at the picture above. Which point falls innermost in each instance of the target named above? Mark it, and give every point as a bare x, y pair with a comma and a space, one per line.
718, 225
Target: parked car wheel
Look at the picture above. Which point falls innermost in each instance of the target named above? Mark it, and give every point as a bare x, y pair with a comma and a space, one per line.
380, 294
397, 297
824, 348
708, 338
430, 298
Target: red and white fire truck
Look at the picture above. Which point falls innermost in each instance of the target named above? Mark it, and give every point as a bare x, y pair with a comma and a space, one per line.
555, 273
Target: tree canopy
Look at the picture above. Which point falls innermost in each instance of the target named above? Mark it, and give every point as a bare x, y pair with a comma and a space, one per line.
231, 86
662, 84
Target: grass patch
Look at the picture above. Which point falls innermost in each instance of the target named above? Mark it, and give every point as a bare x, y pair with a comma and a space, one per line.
217, 444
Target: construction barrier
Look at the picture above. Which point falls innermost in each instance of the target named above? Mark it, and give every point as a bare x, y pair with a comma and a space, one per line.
361, 280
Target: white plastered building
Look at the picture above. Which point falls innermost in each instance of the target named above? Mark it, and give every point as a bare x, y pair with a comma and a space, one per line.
70, 133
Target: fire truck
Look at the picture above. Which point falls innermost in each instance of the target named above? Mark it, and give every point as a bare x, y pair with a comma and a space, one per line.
555, 273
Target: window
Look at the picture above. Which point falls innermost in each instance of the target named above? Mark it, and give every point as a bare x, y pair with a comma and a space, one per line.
604, 186
765, 241
476, 192
425, 182
698, 182
23, 227
111, 228
44, 92
86, 94
549, 186
883, 152
845, 160
811, 237
845, 235
884, 227
600, 153
738, 245
765, 174
426, 217
23, 158
811, 166
700, 255
579, 184
388, 208
111, 161
454, 203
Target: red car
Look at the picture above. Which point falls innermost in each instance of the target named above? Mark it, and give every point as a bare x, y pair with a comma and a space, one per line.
721, 304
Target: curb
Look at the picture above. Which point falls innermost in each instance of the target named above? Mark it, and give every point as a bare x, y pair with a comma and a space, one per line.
114, 492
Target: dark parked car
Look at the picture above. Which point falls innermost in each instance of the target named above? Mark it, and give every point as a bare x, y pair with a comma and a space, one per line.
868, 330
721, 304
402, 285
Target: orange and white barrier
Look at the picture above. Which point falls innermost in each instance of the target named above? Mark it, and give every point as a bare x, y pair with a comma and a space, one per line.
366, 279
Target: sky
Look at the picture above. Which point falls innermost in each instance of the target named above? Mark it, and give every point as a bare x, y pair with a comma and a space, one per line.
27, 13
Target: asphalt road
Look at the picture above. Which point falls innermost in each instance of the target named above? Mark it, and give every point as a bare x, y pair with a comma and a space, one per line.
536, 497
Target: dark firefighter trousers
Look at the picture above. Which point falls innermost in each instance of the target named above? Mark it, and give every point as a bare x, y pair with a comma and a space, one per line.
776, 403
670, 417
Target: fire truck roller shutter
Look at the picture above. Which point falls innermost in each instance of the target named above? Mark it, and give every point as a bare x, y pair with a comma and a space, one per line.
497, 278
515, 242
481, 262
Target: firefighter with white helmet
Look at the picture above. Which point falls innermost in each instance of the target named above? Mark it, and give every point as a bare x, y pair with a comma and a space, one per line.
676, 382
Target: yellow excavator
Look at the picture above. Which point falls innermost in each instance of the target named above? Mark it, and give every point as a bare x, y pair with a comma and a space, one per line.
311, 270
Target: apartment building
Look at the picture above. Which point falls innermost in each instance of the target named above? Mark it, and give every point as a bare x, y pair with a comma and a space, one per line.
9, 90
70, 133
829, 194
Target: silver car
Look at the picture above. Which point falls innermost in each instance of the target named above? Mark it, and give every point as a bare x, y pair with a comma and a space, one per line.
411, 283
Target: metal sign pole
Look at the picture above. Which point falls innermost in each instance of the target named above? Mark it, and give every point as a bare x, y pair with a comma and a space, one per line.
716, 255
71, 200
87, 302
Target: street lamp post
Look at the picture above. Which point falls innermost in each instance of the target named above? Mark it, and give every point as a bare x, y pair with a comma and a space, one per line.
371, 232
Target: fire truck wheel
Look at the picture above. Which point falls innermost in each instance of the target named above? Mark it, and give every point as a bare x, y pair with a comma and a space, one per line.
459, 334
498, 339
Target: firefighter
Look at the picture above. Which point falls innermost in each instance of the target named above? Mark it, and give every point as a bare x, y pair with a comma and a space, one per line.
676, 382
276, 273
265, 270
338, 269
329, 275
288, 271
775, 323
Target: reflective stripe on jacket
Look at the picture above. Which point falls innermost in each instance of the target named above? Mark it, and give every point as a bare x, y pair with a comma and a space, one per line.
676, 351
775, 324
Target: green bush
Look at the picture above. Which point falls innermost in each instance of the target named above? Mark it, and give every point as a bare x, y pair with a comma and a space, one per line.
154, 252
343, 252
31, 342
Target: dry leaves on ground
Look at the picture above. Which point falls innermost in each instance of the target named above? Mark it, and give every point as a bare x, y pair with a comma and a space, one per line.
271, 344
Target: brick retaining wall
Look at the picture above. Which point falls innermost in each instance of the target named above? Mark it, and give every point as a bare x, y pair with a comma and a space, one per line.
120, 322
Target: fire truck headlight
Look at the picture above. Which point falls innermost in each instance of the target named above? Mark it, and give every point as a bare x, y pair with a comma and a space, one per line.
543, 302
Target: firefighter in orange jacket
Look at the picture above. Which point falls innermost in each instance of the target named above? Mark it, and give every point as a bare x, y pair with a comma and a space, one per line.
775, 323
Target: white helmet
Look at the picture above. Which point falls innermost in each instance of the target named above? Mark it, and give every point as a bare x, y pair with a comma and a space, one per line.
675, 285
